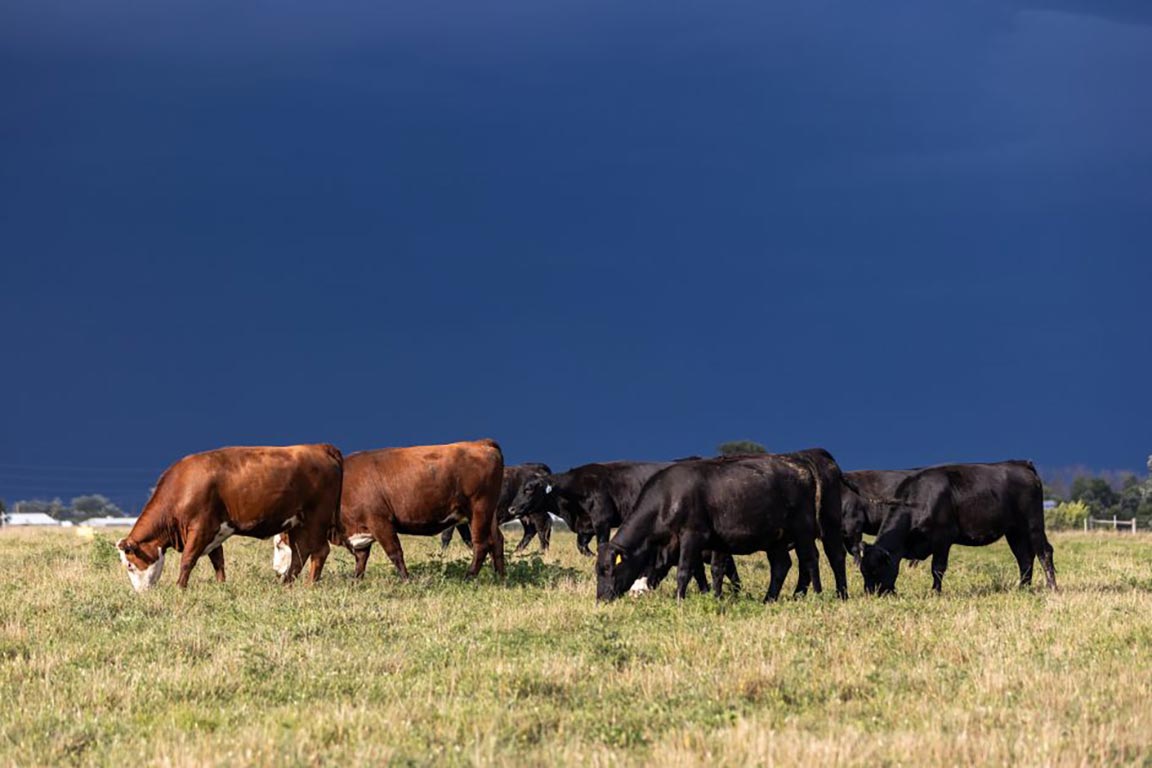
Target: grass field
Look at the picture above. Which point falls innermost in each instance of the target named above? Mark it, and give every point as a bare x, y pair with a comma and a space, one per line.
532, 671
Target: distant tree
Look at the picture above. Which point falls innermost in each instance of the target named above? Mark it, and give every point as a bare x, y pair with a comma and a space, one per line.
3, 510
94, 505
1093, 491
735, 447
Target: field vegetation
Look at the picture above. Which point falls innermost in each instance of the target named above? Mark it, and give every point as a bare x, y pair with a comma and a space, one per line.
533, 672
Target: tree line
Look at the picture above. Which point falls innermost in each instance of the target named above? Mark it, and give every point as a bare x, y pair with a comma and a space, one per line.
78, 509
1125, 495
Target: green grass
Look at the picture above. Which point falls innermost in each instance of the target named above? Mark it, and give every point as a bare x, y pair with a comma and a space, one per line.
532, 671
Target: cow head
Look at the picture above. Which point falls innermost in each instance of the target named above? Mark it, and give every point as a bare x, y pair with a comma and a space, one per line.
144, 562
854, 519
617, 571
879, 567
535, 495
281, 554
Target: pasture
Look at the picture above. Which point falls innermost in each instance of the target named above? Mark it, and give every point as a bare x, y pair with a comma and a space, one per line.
534, 672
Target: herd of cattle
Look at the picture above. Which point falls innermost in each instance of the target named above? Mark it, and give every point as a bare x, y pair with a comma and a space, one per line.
682, 513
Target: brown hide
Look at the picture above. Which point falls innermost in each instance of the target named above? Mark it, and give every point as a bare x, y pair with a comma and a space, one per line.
422, 490
253, 491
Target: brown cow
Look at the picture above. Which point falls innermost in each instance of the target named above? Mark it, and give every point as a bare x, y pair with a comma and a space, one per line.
420, 490
207, 497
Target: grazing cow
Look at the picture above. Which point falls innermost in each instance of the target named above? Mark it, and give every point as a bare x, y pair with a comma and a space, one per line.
865, 500
205, 498
591, 499
731, 505
539, 522
422, 491
968, 504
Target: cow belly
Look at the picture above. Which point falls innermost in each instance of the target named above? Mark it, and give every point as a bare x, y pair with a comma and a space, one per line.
425, 529
979, 539
746, 541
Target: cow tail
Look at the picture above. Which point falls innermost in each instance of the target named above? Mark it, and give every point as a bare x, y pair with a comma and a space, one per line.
818, 487
334, 528
819, 498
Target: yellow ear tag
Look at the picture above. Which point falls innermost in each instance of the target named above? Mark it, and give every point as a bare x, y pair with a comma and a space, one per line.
619, 558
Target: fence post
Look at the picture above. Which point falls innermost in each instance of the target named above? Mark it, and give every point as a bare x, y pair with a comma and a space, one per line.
1133, 525
1115, 525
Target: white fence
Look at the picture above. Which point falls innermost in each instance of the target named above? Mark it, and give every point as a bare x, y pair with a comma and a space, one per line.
1115, 523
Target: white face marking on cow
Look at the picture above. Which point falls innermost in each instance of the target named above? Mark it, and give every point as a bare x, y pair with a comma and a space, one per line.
360, 540
640, 586
221, 536
143, 580
281, 555
548, 489
292, 522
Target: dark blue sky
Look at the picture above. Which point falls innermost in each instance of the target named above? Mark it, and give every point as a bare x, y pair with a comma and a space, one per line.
909, 232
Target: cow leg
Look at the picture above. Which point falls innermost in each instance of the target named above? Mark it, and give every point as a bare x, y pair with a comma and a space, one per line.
193, 548
1022, 550
1043, 550
385, 533
701, 578
809, 560
216, 556
529, 534
307, 540
691, 552
486, 537
446, 538
834, 551
361, 556
940, 565
732, 573
465, 534
319, 557
582, 540
779, 562
803, 581
543, 523
719, 568
497, 548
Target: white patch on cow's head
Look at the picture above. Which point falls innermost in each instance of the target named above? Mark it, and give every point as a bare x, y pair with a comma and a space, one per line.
640, 586
222, 534
281, 554
143, 579
548, 489
292, 522
360, 540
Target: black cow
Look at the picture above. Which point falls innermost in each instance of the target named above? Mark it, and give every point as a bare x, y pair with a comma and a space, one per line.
865, 499
539, 522
968, 504
592, 498
731, 505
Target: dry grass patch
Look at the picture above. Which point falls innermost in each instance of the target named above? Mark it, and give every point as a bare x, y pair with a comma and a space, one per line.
533, 672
